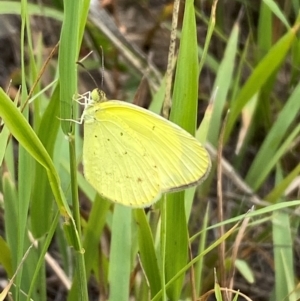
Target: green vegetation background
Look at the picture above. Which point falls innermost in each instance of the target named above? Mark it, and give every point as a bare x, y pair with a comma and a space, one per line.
171, 251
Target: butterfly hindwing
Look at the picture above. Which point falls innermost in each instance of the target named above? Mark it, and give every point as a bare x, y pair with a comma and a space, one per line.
182, 161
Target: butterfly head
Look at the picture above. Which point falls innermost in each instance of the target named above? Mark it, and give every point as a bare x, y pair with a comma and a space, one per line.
90, 98
97, 95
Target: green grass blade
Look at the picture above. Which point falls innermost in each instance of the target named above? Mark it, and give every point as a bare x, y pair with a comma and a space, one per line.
275, 136
42, 205
12, 7
222, 84
218, 293
93, 230
147, 251
245, 270
280, 188
283, 255
40, 262
273, 6
21, 130
120, 252
264, 38
266, 67
75, 13
25, 162
210, 29
200, 264
4, 137
5, 257
196, 259
10, 216
185, 95
68, 55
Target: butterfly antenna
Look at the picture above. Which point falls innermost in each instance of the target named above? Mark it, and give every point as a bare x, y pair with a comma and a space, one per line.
102, 66
87, 71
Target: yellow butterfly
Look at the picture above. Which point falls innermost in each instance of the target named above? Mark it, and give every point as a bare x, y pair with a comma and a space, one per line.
132, 156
